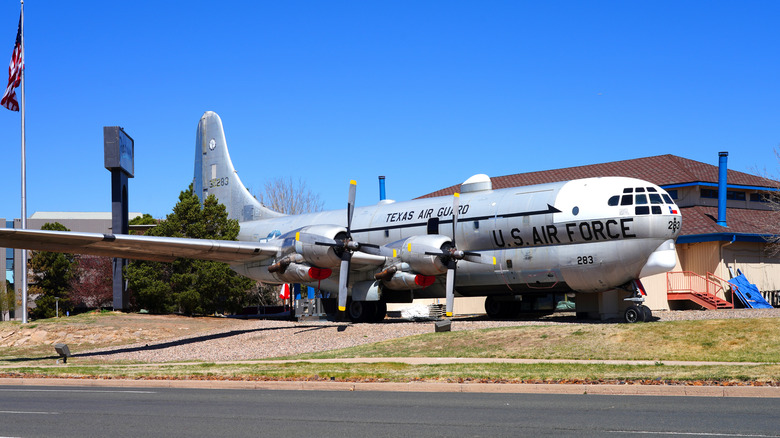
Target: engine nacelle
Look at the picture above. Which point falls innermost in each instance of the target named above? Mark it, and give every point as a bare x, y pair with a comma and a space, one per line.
288, 272
407, 281
319, 255
413, 250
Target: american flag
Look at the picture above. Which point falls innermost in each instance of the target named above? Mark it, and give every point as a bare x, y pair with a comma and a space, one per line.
14, 73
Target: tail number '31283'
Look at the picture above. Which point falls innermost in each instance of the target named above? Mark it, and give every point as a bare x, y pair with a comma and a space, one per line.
218, 182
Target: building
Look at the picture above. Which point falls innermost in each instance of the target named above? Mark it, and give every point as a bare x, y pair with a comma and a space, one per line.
715, 238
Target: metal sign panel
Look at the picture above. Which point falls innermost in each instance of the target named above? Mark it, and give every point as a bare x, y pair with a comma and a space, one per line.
118, 150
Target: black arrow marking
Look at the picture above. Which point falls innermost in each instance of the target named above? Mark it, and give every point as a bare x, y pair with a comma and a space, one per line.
549, 209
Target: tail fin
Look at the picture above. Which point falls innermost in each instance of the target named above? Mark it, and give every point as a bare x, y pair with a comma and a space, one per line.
215, 174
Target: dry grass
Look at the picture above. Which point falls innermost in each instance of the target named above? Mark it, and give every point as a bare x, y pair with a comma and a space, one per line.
398, 372
728, 340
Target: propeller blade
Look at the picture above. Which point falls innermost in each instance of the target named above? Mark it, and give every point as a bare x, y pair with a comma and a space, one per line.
474, 257
344, 280
370, 248
351, 206
450, 287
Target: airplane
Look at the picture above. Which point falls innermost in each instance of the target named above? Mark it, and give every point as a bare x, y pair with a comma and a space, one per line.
582, 236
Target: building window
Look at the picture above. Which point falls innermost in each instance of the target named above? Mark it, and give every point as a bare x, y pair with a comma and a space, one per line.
709, 193
759, 197
735, 196
672, 193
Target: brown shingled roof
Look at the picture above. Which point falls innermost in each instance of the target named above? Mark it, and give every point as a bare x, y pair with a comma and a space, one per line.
703, 220
661, 169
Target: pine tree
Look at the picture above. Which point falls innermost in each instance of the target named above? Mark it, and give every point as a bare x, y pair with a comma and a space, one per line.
186, 285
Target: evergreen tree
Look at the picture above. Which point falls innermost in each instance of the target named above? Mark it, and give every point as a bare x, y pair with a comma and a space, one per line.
186, 285
51, 279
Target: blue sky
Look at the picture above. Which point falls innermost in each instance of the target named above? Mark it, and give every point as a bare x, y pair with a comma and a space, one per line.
427, 93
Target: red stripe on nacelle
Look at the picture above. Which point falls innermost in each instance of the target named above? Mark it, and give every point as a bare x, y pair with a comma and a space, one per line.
424, 280
319, 273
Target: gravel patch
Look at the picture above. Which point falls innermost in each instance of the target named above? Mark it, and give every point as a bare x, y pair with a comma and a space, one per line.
261, 339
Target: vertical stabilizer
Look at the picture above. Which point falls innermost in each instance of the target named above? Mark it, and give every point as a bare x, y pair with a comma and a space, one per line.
215, 174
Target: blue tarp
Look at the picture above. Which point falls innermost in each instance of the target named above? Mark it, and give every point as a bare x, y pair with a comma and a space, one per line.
748, 293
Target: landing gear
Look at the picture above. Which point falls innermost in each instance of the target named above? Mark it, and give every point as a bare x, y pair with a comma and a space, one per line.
637, 312
497, 309
366, 311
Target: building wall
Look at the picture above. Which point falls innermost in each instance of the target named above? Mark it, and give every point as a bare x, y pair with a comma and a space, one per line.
755, 262
700, 258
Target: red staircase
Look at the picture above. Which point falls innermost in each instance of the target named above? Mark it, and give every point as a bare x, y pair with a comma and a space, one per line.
686, 285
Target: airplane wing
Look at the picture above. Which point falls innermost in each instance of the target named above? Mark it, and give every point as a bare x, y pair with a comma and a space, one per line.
161, 249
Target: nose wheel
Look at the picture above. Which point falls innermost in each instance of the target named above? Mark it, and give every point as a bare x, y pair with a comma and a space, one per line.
640, 313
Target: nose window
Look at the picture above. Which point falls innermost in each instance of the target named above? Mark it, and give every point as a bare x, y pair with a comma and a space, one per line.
641, 197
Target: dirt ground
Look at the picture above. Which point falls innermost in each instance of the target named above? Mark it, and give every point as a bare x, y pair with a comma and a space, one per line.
104, 329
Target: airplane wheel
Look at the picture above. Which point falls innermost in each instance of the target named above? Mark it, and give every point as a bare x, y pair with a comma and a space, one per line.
493, 308
381, 311
648, 314
361, 311
634, 314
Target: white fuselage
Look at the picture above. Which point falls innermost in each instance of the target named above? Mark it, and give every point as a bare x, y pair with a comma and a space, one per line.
563, 236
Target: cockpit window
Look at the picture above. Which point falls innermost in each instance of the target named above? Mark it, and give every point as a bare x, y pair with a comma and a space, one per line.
641, 197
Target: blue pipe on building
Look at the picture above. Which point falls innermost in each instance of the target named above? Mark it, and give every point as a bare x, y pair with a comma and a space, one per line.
722, 187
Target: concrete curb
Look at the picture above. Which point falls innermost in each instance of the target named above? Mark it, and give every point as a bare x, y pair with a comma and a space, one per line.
492, 388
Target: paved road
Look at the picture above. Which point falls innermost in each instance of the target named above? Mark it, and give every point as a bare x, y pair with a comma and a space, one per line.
44, 411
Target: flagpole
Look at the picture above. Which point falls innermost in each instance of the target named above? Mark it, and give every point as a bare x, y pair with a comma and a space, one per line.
24, 182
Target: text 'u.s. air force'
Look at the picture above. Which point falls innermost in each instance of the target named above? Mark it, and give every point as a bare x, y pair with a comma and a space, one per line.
588, 231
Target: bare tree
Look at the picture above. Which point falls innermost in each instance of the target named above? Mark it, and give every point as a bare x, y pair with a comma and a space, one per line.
773, 200
289, 197
92, 282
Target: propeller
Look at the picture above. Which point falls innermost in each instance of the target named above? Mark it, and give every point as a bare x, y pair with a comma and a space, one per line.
451, 254
348, 246
345, 246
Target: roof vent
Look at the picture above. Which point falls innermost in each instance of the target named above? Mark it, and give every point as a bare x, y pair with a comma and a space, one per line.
476, 183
